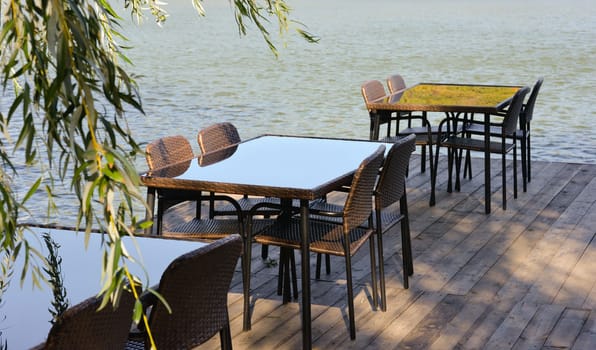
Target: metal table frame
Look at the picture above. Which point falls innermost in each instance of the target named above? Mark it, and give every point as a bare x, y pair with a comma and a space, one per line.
451, 99
286, 167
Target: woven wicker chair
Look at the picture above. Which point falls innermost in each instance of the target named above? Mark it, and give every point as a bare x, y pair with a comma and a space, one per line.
391, 206
195, 286
373, 90
163, 152
217, 137
426, 135
214, 138
522, 134
342, 239
526, 116
84, 327
463, 140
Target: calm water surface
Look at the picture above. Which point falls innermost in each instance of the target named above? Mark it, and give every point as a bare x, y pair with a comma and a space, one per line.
197, 71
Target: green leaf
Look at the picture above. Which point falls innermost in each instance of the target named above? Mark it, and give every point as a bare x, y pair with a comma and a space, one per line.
32, 190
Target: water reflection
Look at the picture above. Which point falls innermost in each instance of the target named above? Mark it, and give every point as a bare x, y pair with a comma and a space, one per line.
216, 156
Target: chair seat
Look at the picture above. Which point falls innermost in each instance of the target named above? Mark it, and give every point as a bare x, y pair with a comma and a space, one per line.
495, 131
325, 237
321, 205
474, 144
208, 229
211, 229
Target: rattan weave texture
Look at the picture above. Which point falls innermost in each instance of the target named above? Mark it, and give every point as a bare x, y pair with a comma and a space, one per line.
338, 239
522, 134
195, 286
83, 327
163, 152
454, 139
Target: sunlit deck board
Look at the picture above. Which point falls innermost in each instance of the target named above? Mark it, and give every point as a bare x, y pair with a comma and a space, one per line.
520, 278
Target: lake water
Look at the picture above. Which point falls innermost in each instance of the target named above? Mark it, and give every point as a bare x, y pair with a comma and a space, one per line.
197, 71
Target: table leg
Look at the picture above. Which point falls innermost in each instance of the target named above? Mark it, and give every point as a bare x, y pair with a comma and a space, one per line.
150, 207
430, 160
375, 125
487, 190
306, 316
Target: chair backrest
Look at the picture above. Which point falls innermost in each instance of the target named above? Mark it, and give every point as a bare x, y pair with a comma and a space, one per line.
196, 286
168, 150
372, 90
395, 83
358, 206
527, 112
392, 180
84, 327
510, 119
217, 136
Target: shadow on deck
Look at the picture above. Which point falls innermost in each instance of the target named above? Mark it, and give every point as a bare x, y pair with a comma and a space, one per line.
521, 278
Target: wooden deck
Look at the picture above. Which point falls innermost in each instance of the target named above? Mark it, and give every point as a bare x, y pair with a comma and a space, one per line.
523, 278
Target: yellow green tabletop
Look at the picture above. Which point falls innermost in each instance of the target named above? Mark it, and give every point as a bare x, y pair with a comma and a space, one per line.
447, 98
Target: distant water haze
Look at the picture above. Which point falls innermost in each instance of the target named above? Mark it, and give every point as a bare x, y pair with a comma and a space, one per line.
194, 71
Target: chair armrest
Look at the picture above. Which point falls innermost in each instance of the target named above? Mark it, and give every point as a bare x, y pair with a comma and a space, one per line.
447, 128
478, 122
322, 208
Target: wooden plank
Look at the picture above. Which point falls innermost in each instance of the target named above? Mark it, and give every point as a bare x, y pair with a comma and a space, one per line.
587, 336
566, 330
398, 328
535, 333
510, 330
458, 326
590, 302
581, 281
430, 327
568, 251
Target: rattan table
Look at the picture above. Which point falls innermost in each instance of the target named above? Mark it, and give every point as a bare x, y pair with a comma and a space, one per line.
286, 167
485, 100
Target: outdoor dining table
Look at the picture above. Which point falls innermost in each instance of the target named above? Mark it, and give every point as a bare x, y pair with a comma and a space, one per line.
286, 167
451, 99
24, 311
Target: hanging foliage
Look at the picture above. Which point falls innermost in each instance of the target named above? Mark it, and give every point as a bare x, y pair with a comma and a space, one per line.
61, 63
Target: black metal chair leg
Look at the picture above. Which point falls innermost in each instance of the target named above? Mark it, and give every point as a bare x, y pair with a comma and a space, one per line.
280, 272
318, 267
294, 275
264, 251
351, 313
